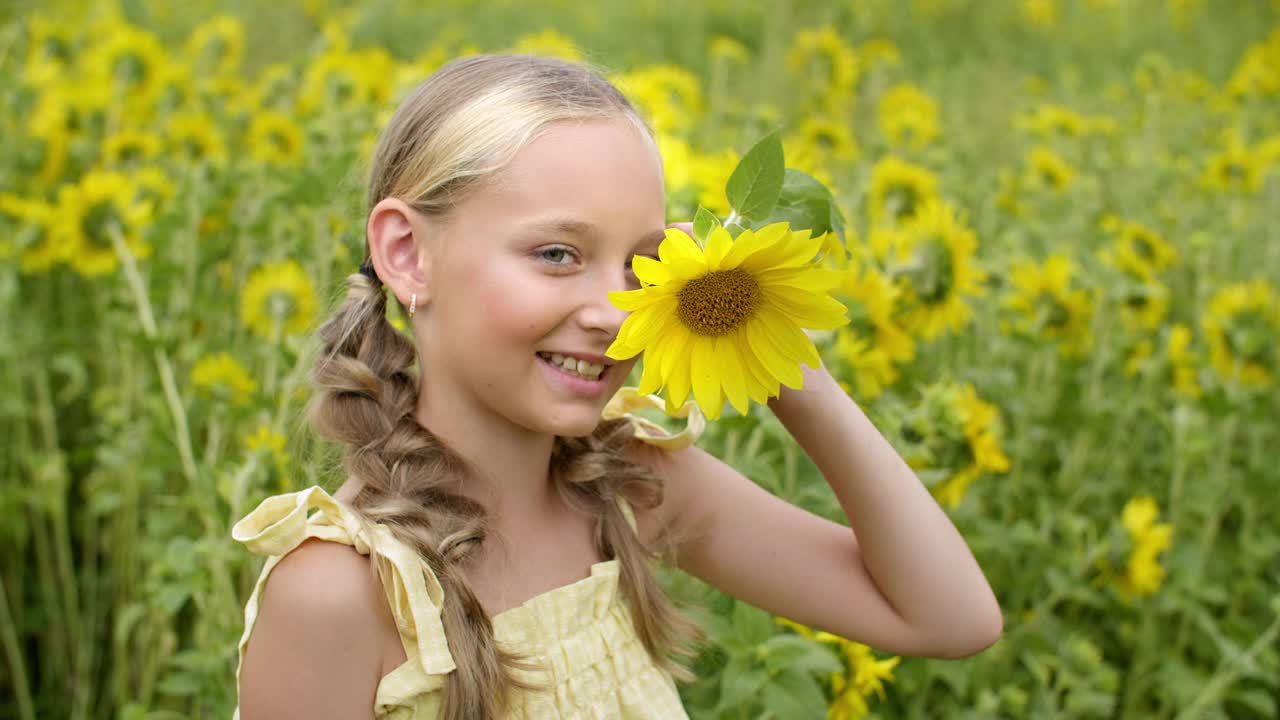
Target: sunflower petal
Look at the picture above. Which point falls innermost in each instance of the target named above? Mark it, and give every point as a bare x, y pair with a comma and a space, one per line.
677, 244
641, 327
678, 380
760, 384
677, 344
805, 278
650, 378
685, 269
732, 377
817, 311
630, 300
706, 386
650, 271
774, 360
744, 246
790, 339
717, 246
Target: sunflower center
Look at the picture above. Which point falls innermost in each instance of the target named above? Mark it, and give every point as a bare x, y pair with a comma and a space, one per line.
932, 274
95, 223
131, 69
1144, 247
900, 201
1248, 337
718, 302
1051, 313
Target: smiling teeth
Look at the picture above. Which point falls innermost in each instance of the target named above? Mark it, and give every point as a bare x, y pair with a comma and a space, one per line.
582, 368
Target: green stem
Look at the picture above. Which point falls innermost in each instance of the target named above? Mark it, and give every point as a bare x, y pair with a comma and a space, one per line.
13, 653
182, 434
1229, 672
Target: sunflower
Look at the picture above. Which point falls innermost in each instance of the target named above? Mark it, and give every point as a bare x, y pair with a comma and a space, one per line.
265, 439
220, 373
898, 189
1235, 168
818, 142
278, 292
727, 48
88, 211
1143, 305
908, 116
981, 430
823, 54
194, 137
126, 60
550, 43
1182, 362
347, 79
1045, 168
951, 437
274, 138
669, 96
130, 147
930, 259
1143, 572
878, 51
1049, 306
873, 341
864, 675
216, 46
1241, 324
42, 251
51, 50
1136, 249
726, 321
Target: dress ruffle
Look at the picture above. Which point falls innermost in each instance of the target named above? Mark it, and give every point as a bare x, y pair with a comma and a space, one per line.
629, 398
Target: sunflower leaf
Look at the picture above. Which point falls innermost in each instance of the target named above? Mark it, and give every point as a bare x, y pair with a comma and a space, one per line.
756, 182
703, 223
808, 205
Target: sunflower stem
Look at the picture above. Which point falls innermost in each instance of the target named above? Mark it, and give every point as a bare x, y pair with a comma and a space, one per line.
182, 435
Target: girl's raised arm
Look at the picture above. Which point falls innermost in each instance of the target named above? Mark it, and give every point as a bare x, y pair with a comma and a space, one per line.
903, 581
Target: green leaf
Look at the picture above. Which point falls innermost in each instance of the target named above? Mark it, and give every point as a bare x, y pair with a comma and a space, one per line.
794, 694
752, 624
801, 654
808, 205
1256, 699
740, 681
703, 223
756, 182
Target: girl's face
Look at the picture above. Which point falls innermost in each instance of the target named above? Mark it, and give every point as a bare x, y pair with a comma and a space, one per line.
521, 273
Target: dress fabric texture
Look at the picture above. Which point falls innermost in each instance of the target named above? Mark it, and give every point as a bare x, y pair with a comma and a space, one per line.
581, 634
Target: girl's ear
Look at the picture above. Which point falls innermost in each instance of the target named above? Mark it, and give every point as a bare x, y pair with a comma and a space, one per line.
400, 256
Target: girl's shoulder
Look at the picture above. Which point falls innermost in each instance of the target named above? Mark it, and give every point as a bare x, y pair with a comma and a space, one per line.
336, 578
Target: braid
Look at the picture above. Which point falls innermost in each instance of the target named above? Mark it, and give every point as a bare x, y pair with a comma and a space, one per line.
366, 399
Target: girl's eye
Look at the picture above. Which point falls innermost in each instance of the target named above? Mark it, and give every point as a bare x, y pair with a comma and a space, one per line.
555, 255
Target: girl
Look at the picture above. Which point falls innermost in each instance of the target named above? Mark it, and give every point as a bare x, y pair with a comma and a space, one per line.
491, 552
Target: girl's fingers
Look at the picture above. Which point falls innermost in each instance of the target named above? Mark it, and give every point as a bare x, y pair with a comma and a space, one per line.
687, 227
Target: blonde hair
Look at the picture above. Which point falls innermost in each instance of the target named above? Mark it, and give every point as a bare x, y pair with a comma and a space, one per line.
452, 133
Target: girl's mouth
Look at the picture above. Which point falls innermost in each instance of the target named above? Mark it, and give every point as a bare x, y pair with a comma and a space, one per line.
572, 380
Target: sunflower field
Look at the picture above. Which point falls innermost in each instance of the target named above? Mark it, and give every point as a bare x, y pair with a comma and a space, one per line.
1060, 254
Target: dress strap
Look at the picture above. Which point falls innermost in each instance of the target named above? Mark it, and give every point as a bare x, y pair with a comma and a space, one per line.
280, 523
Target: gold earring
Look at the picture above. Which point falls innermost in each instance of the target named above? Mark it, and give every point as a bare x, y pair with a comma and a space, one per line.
413, 303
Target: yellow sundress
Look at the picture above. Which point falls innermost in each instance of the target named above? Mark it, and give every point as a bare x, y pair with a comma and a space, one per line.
582, 632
